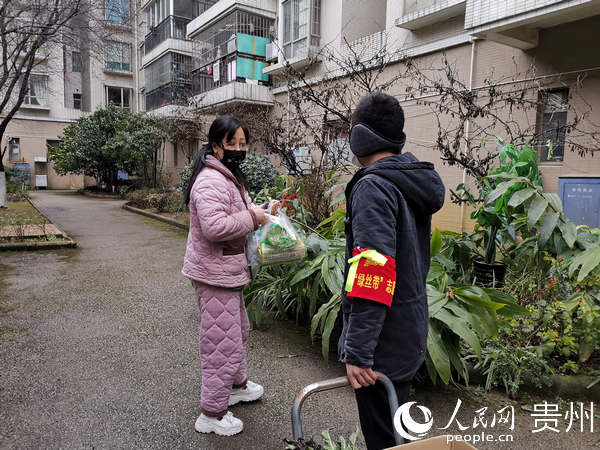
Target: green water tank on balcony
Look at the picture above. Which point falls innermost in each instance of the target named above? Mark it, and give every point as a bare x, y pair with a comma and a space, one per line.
252, 45
251, 69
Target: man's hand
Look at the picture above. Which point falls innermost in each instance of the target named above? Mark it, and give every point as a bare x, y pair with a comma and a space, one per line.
360, 377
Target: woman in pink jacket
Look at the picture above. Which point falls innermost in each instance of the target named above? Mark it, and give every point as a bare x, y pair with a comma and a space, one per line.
221, 215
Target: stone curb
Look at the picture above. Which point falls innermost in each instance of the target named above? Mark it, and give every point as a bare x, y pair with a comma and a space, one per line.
48, 245
564, 385
94, 195
157, 217
41, 245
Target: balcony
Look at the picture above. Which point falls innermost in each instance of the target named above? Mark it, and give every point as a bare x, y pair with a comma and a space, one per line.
169, 94
437, 12
301, 58
516, 22
233, 92
266, 8
170, 28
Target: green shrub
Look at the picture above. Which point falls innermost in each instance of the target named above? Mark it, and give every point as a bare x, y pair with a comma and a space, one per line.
184, 177
259, 171
161, 202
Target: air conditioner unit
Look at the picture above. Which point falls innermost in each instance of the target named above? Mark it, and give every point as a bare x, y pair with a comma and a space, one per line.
272, 52
303, 159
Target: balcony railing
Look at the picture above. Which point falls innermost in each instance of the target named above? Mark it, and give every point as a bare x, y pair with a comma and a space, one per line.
170, 28
169, 94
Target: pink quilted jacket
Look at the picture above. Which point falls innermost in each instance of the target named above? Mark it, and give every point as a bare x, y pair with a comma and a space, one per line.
220, 219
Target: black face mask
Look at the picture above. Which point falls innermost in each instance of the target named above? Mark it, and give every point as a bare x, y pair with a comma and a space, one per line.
233, 157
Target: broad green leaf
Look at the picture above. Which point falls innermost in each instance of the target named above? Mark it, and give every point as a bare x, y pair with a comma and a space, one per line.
474, 320
333, 283
437, 352
457, 362
554, 201
586, 261
536, 209
329, 324
487, 319
323, 310
569, 232
436, 270
431, 369
314, 295
435, 300
511, 307
476, 295
460, 327
436, 242
547, 225
303, 274
500, 190
520, 196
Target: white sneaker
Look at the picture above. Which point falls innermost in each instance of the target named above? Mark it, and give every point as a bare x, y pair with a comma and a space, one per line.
252, 391
228, 425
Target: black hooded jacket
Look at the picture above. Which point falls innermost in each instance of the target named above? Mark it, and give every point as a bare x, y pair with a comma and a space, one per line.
389, 206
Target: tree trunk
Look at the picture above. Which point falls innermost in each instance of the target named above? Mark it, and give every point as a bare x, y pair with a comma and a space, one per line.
3, 203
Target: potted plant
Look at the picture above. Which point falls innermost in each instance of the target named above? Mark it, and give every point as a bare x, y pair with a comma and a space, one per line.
491, 208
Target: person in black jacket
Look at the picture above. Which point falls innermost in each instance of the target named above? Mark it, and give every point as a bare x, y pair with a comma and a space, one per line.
389, 203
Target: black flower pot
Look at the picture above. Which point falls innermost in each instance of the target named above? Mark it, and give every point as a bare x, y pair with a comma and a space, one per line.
489, 275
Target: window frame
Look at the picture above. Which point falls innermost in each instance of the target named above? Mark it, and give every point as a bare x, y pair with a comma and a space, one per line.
12, 143
122, 89
76, 99
121, 54
124, 17
42, 101
293, 42
76, 61
546, 115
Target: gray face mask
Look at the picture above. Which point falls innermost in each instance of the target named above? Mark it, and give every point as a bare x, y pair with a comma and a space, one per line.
356, 162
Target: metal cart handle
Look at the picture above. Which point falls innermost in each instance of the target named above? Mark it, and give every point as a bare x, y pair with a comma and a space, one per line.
334, 383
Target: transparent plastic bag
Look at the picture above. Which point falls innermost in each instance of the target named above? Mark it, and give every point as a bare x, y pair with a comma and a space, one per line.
275, 242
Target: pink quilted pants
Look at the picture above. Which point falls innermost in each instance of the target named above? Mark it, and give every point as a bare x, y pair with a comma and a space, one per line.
224, 331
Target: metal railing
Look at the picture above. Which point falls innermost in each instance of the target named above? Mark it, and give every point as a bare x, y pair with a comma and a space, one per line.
169, 94
170, 28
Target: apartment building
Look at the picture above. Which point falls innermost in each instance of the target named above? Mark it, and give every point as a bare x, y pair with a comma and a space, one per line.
68, 83
483, 40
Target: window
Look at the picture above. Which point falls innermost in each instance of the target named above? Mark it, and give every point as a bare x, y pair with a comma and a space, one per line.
37, 92
14, 149
118, 56
552, 121
76, 61
316, 18
117, 11
158, 11
51, 144
287, 21
77, 101
298, 17
118, 96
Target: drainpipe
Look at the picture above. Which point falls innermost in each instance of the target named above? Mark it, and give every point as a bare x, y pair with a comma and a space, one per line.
136, 80
467, 131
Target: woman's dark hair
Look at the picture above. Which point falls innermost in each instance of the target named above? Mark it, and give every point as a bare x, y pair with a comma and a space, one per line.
223, 127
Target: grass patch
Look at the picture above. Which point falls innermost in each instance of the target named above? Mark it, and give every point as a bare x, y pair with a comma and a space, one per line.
21, 213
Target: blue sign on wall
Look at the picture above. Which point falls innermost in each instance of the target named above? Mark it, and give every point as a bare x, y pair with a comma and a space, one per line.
581, 200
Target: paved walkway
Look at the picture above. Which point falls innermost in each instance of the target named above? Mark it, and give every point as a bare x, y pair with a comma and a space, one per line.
99, 344
98, 349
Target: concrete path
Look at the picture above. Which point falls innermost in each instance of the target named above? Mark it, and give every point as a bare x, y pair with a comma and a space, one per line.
98, 349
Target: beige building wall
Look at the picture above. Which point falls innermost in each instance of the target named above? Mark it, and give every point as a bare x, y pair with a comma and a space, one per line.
34, 126
565, 56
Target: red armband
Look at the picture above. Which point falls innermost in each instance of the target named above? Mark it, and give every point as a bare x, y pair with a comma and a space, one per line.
372, 276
